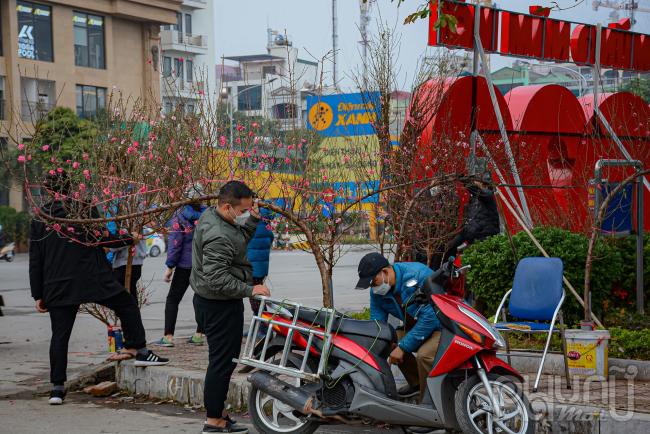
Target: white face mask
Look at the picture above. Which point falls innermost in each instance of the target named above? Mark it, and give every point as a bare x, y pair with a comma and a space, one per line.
240, 220
383, 288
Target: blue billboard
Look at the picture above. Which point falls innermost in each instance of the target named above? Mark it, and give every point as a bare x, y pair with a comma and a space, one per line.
346, 114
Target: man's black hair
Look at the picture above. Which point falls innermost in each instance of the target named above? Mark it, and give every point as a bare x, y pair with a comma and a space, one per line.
233, 192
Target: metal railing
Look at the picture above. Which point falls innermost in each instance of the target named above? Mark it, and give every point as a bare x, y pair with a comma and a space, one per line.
182, 38
286, 314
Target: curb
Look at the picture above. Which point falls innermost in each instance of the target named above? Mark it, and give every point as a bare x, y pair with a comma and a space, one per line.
619, 368
589, 420
181, 386
186, 388
92, 375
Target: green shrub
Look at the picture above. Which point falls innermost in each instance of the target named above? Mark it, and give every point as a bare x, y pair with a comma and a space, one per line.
493, 267
629, 344
624, 343
364, 314
15, 225
624, 294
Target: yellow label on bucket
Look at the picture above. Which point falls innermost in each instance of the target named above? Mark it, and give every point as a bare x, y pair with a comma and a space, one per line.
581, 355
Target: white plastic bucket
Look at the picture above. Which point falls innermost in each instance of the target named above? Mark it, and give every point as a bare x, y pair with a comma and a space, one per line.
587, 352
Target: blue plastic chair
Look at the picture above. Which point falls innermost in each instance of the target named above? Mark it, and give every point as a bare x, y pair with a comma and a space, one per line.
535, 304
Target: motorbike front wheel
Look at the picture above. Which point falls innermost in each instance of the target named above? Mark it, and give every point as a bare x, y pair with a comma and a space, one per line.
475, 413
272, 416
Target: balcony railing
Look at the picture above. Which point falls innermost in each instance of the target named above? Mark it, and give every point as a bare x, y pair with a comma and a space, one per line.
35, 110
182, 38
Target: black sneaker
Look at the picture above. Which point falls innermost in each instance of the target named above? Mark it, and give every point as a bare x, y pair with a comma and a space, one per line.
229, 428
56, 397
408, 391
150, 359
233, 422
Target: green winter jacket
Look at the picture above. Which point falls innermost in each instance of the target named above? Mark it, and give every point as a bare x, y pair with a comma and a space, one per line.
220, 269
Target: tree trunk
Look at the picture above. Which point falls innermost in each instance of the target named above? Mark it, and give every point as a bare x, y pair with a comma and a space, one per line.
129, 269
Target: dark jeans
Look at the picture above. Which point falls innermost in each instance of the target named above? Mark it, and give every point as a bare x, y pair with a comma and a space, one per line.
136, 272
63, 318
223, 321
180, 283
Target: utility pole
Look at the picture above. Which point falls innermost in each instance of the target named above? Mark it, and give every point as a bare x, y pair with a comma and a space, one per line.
364, 20
335, 43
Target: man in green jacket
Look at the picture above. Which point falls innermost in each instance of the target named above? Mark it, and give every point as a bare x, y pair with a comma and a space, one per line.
221, 278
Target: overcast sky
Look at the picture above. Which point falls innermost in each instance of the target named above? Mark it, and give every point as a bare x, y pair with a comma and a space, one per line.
241, 28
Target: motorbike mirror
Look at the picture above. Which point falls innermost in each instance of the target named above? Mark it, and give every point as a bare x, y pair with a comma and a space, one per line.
411, 283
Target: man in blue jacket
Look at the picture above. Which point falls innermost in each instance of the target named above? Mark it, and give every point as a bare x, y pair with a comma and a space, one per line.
258, 253
389, 295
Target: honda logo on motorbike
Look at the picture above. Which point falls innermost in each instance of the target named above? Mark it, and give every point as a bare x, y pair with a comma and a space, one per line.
463, 344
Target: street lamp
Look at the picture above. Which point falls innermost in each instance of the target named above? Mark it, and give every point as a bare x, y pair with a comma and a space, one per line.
225, 94
572, 71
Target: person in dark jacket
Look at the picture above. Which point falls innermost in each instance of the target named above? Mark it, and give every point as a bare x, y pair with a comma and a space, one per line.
65, 271
259, 252
221, 278
481, 216
179, 265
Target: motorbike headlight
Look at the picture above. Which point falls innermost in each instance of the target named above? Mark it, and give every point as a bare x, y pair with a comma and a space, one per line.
499, 342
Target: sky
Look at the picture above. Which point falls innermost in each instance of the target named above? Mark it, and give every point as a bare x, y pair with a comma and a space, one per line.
241, 29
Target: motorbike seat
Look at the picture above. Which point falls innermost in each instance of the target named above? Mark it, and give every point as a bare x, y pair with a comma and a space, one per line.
379, 330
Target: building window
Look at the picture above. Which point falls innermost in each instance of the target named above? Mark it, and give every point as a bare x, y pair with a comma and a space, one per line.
268, 70
285, 110
38, 97
167, 66
188, 24
189, 108
249, 98
178, 67
179, 22
168, 106
1, 52
90, 100
189, 70
88, 40
34, 31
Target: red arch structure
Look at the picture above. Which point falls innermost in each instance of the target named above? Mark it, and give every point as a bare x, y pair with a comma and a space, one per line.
555, 137
444, 142
548, 126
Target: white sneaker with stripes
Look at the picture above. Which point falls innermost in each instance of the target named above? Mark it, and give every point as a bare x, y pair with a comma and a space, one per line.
150, 359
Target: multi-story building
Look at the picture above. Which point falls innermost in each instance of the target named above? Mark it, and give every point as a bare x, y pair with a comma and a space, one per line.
274, 85
188, 56
73, 53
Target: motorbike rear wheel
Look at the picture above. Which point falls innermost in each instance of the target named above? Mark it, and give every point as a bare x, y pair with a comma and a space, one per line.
474, 410
272, 416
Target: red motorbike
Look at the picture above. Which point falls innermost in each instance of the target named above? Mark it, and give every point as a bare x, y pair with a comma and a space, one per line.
317, 366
